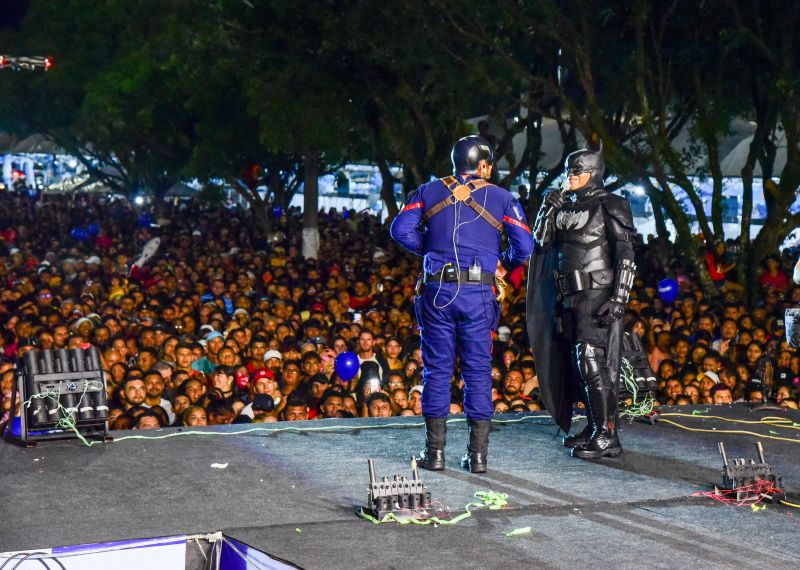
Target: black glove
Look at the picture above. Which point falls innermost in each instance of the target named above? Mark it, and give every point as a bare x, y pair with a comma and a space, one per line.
611, 311
554, 200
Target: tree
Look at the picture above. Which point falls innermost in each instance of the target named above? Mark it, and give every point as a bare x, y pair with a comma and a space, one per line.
115, 94
641, 76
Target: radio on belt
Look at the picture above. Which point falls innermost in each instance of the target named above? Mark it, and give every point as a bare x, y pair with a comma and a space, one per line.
474, 271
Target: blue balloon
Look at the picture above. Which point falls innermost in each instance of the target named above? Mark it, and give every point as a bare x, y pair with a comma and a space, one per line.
277, 211
93, 229
668, 290
346, 365
75, 233
145, 220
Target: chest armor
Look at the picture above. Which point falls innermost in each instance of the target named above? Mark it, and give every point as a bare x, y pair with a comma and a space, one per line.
581, 238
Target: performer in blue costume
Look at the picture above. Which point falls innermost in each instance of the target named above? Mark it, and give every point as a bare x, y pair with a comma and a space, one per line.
457, 223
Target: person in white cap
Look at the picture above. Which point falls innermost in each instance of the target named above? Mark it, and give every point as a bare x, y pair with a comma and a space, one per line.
273, 359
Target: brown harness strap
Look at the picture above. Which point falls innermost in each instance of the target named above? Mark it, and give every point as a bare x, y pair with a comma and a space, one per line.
451, 183
463, 192
481, 211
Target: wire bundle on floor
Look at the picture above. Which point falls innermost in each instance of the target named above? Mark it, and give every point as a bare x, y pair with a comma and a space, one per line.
754, 495
486, 499
770, 421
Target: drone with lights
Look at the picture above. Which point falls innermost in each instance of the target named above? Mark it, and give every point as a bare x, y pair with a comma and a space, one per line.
25, 62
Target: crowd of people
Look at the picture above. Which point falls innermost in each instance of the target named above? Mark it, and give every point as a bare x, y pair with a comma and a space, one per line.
225, 324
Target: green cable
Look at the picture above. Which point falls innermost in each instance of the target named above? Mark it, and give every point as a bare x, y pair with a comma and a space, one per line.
638, 408
67, 423
487, 499
308, 429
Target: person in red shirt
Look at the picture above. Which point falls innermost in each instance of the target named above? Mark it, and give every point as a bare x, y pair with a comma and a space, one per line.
719, 264
773, 277
361, 297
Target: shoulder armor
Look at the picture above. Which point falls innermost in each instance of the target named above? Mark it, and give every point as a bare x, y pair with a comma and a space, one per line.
619, 213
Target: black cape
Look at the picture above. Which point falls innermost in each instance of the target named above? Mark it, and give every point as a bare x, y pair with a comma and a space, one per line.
551, 355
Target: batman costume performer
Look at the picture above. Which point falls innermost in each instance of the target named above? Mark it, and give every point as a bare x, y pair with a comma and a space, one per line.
792, 319
580, 276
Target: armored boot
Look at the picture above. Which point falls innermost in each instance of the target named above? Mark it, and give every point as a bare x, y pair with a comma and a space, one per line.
432, 458
475, 458
583, 436
603, 408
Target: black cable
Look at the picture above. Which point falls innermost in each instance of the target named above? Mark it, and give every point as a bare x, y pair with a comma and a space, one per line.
28, 555
13, 557
57, 561
24, 558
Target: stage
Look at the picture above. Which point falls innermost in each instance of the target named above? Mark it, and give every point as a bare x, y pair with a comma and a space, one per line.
292, 494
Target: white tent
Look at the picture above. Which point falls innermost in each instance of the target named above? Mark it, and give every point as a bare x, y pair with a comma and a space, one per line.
733, 163
181, 190
37, 144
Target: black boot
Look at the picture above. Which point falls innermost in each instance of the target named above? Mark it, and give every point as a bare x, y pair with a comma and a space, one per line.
583, 436
579, 438
603, 405
475, 458
432, 458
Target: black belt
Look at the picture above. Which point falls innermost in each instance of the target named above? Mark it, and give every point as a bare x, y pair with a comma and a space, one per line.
452, 277
571, 282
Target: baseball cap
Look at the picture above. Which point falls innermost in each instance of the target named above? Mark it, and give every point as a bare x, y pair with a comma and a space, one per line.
213, 334
263, 402
272, 354
262, 373
417, 388
713, 375
503, 334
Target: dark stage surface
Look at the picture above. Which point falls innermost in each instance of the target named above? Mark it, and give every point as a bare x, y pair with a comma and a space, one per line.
292, 494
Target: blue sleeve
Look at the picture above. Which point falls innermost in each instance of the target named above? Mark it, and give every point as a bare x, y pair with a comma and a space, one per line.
520, 239
405, 229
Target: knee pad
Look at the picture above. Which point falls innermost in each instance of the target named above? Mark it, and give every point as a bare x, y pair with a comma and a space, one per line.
590, 359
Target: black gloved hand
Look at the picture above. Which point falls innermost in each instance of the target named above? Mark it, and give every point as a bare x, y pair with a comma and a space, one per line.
554, 199
611, 311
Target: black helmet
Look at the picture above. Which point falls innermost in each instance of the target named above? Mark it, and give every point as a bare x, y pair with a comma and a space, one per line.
587, 161
468, 152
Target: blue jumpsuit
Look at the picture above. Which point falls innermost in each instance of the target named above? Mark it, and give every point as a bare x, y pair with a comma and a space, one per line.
457, 318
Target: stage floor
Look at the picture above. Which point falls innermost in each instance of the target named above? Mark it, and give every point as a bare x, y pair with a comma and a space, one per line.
292, 494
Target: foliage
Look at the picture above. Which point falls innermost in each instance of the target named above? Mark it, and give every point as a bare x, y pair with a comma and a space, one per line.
223, 89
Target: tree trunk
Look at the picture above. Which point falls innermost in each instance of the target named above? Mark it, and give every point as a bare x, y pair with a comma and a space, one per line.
311, 204
657, 202
744, 266
261, 218
687, 244
387, 189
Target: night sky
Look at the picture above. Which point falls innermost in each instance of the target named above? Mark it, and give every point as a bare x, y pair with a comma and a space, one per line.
11, 13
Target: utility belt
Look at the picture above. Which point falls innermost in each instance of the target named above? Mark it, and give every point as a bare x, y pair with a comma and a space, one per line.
572, 282
463, 277
449, 274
